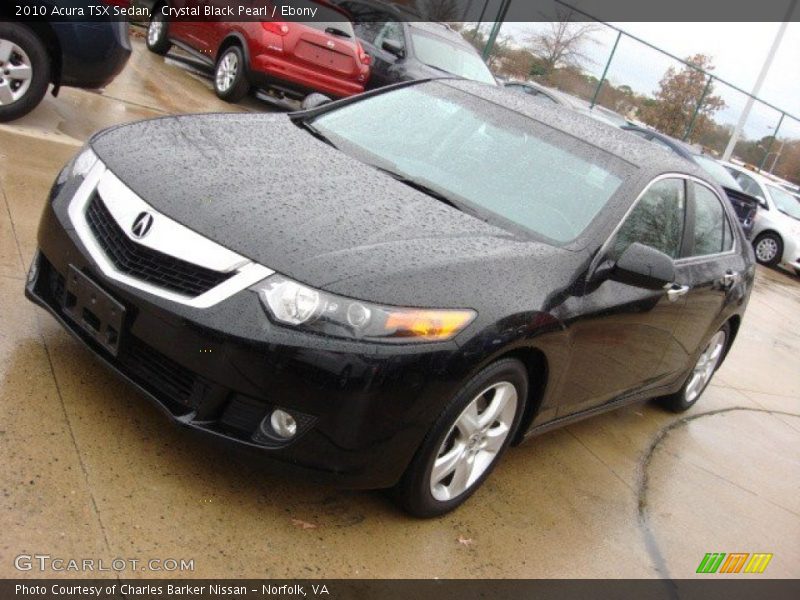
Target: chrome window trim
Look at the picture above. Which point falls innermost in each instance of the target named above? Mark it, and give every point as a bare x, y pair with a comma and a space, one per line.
725, 206
678, 261
184, 243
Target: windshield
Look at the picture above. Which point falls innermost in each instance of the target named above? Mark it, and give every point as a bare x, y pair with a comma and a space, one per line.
718, 172
785, 202
439, 53
493, 162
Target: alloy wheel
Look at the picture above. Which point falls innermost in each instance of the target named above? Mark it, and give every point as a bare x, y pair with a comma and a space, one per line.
766, 249
474, 441
16, 72
705, 367
226, 71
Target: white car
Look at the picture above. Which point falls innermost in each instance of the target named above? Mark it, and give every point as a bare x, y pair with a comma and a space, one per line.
776, 232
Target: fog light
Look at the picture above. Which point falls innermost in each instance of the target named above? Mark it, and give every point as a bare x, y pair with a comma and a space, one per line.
283, 424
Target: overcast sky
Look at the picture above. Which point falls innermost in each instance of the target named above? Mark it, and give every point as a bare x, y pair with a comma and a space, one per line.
738, 51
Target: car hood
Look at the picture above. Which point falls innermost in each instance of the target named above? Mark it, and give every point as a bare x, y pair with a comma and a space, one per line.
270, 191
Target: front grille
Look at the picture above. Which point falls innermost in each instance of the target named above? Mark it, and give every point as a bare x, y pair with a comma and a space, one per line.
145, 264
158, 374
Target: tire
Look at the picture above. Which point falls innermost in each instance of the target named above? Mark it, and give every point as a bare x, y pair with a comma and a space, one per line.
473, 457
768, 248
709, 360
24, 72
230, 76
158, 33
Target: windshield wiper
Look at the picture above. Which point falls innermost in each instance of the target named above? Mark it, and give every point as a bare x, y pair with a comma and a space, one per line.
424, 187
316, 133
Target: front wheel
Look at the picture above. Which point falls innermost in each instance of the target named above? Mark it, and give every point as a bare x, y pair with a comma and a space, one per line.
702, 373
24, 71
230, 77
769, 249
466, 441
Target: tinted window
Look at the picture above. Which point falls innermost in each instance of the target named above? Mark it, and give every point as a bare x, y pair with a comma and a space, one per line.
710, 223
499, 164
368, 22
391, 31
441, 54
656, 220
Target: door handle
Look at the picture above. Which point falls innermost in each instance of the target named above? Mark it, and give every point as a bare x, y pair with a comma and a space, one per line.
675, 291
729, 279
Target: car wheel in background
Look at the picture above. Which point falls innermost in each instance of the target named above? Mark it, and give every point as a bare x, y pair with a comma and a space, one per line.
24, 71
768, 248
702, 373
158, 33
230, 77
466, 441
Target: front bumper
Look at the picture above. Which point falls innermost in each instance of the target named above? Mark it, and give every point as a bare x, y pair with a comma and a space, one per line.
362, 408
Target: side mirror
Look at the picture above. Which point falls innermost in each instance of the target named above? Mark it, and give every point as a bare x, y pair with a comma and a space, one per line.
314, 100
394, 47
645, 267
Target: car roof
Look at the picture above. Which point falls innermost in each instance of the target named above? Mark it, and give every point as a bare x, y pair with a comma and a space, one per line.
633, 149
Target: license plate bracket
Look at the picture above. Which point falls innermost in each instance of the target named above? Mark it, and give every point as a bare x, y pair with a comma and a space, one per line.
94, 310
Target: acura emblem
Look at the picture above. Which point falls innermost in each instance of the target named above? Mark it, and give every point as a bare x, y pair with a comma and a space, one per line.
142, 224
331, 44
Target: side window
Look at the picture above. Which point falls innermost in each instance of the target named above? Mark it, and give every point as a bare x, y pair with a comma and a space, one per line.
712, 232
366, 20
748, 184
656, 220
392, 31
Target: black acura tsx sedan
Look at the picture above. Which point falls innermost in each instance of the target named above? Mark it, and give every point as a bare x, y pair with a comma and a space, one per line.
389, 290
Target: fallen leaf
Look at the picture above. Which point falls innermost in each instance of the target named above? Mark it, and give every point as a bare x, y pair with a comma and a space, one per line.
465, 541
303, 524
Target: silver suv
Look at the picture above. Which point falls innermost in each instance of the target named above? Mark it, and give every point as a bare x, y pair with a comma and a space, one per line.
776, 233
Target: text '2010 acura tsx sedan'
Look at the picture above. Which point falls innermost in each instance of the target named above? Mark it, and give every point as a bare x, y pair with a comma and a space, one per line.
399, 285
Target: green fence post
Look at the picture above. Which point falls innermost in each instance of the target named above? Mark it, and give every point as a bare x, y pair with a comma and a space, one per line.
605, 71
771, 141
480, 21
487, 49
697, 108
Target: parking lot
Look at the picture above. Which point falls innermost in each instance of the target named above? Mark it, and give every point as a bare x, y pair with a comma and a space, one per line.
91, 469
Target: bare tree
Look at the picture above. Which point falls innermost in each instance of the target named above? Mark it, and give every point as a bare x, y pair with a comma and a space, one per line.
561, 45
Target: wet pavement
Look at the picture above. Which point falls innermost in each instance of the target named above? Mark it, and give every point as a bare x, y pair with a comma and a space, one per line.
91, 469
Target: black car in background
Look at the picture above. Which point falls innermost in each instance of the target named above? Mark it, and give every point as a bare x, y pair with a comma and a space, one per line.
441, 269
34, 55
404, 47
745, 205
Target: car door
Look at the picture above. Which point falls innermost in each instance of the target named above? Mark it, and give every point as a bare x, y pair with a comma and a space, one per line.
711, 269
622, 332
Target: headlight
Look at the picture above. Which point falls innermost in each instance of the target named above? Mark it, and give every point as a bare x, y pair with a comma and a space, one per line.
78, 166
297, 305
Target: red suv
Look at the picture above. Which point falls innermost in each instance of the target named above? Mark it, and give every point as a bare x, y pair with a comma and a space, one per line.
291, 58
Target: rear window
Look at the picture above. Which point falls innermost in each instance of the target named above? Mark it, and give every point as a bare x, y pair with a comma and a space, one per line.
441, 54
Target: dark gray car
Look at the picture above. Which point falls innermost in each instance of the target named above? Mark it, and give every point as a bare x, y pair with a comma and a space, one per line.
404, 48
